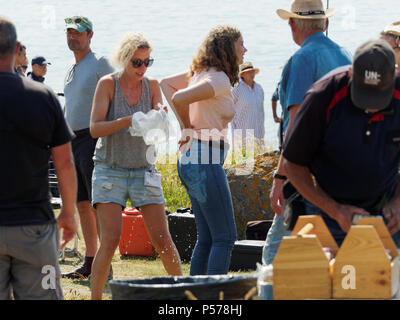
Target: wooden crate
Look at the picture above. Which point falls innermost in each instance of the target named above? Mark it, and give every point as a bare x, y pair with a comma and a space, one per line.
361, 268
301, 269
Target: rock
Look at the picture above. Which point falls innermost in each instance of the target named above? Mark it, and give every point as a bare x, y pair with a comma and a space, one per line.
250, 183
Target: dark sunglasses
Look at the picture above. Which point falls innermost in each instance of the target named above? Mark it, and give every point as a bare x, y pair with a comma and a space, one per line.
137, 63
24, 67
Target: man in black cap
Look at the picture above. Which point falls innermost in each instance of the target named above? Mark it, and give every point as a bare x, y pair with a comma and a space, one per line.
344, 150
39, 69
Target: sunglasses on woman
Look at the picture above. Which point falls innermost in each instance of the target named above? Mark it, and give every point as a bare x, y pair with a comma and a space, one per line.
137, 63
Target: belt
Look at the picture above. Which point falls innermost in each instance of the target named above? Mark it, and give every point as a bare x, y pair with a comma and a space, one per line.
212, 143
81, 133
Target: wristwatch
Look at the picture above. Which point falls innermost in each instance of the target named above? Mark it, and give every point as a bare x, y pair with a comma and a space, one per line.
279, 176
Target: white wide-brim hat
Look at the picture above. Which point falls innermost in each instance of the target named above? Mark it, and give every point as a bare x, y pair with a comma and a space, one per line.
306, 9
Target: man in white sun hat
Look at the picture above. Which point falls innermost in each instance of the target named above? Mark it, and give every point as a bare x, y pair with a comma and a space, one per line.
248, 96
318, 55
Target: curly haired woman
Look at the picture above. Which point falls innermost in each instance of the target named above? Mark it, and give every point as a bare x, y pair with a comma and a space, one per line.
203, 104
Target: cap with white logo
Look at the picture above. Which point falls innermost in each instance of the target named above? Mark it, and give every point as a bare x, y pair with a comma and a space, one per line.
373, 82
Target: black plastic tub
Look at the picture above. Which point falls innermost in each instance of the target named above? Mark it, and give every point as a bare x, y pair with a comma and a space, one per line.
173, 288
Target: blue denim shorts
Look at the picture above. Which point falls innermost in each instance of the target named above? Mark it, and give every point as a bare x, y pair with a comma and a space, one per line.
117, 185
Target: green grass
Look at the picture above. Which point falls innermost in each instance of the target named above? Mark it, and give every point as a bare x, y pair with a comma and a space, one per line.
135, 267
124, 268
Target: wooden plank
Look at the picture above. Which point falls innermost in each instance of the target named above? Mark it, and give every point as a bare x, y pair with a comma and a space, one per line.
320, 230
383, 233
301, 270
362, 250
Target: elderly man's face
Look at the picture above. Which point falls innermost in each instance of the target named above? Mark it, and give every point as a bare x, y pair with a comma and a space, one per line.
248, 76
395, 44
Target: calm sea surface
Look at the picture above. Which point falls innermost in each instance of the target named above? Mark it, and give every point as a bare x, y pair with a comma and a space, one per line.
177, 27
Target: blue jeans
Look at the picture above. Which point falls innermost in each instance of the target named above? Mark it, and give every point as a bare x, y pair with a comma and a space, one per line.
113, 184
200, 170
274, 238
337, 233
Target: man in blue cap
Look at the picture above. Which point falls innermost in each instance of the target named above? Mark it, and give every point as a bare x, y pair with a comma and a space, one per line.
39, 69
79, 87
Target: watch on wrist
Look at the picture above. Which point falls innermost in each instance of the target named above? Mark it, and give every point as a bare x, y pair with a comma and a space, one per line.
279, 176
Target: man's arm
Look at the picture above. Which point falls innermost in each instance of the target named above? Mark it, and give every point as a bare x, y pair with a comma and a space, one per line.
392, 212
276, 196
274, 114
303, 181
67, 183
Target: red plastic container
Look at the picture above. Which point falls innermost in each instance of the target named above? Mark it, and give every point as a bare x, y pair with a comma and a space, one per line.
134, 237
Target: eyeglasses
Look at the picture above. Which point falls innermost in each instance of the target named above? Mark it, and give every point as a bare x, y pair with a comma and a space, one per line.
76, 20
24, 67
137, 63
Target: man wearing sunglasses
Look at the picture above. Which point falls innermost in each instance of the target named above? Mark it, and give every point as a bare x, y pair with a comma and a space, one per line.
391, 34
79, 87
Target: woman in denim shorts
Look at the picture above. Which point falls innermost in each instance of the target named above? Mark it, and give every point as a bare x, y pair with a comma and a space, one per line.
123, 167
203, 103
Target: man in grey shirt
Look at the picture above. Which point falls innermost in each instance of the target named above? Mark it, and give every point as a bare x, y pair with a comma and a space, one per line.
79, 87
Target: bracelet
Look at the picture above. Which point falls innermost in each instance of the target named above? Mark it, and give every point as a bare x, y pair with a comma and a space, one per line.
279, 176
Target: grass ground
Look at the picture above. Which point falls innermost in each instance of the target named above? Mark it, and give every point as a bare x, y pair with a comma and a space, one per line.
128, 267
124, 268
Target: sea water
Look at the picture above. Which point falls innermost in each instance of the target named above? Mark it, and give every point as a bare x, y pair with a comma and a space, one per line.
177, 27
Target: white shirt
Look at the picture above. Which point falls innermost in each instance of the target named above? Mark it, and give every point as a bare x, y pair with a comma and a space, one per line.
249, 108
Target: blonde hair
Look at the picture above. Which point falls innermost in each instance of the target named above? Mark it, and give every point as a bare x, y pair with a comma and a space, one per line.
218, 51
127, 48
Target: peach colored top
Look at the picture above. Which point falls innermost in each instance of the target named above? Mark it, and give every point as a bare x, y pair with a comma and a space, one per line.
210, 117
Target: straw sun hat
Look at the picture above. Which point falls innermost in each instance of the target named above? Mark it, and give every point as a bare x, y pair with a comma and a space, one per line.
247, 66
306, 9
393, 29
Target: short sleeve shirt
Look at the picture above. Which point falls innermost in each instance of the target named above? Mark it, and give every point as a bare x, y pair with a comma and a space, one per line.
317, 56
79, 87
210, 117
353, 155
31, 123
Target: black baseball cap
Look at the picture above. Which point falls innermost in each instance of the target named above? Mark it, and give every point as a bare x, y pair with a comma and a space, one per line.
39, 60
373, 82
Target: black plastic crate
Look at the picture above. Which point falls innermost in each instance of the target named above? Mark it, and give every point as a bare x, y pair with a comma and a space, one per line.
182, 228
246, 254
258, 230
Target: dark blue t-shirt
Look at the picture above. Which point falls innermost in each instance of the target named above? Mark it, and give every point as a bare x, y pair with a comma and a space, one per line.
31, 123
353, 155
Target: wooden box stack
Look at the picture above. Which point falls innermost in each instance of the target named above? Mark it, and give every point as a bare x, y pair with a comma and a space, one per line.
366, 266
